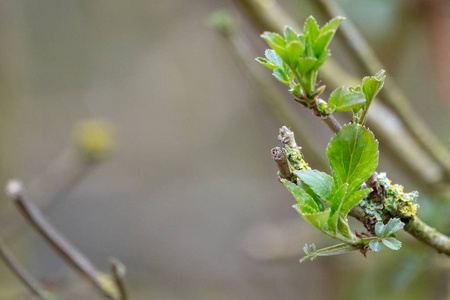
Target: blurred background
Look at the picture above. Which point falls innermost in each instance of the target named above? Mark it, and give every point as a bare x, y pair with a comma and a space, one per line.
184, 192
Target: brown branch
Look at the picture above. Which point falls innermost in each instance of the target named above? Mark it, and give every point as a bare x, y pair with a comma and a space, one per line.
21, 273
57, 241
279, 156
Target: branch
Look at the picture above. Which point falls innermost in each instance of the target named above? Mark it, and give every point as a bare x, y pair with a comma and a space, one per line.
428, 235
414, 226
279, 156
21, 273
393, 96
57, 241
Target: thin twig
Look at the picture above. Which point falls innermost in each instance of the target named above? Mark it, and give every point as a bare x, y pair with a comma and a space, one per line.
391, 94
57, 241
21, 273
118, 271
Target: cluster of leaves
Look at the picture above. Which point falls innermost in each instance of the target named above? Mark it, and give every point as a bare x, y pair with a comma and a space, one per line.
357, 99
353, 157
296, 58
386, 235
300, 56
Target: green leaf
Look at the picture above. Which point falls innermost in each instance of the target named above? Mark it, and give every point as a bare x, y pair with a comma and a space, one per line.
322, 43
290, 35
392, 226
318, 220
321, 59
326, 109
305, 201
281, 76
335, 204
353, 199
311, 29
293, 51
266, 63
313, 195
336, 95
276, 42
305, 64
319, 182
274, 58
376, 246
353, 156
392, 243
379, 229
295, 90
371, 86
332, 25
350, 101
344, 230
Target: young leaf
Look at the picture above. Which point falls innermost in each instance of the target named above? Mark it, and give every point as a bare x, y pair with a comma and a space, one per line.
392, 226
281, 76
350, 101
319, 182
305, 64
311, 29
274, 58
371, 86
295, 90
321, 59
276, 42
332, 25
353, 156
375, 246
379, 229
290, 35
344, 232
266, 63
293, 51
322, 43
392, 243
318, 220
306, 202
335, 204
353, 199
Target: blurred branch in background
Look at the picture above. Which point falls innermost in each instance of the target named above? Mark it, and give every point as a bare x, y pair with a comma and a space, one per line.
91, 144
104, 284
268, 15
21, 273
267, 91
437, 16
